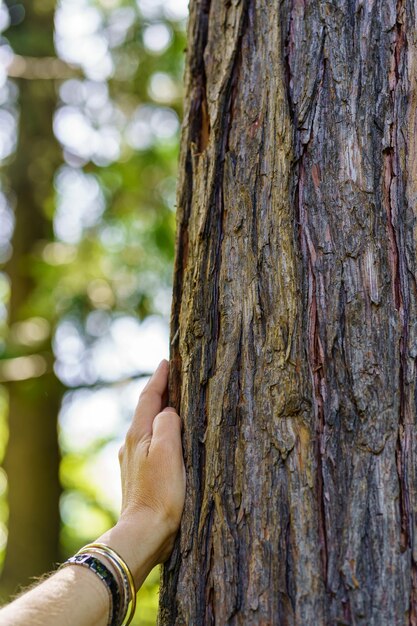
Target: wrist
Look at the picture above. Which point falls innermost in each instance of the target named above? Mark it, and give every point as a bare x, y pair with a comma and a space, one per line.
142, 539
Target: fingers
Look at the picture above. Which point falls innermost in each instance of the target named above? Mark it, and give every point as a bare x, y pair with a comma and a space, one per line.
151, 401
167, 425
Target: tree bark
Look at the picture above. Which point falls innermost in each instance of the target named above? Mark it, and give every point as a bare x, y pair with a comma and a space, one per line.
294, 332
32, 456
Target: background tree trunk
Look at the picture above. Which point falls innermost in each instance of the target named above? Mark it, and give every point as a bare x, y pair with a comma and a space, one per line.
294, 317
32, 457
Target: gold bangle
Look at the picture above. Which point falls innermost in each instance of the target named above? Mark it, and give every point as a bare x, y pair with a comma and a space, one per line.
124, 567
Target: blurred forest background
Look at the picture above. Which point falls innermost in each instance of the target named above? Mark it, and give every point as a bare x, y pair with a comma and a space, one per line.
90, 107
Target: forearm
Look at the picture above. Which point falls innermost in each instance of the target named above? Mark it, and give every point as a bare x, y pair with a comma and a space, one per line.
73, 596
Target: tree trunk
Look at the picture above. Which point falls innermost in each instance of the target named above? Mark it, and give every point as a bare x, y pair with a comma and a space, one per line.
295, 316
32, 457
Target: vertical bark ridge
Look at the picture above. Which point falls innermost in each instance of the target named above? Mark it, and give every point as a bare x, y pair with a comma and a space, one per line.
405, 92
395, 200
399, 219
195, 134
193, 138
208, 119
303, 131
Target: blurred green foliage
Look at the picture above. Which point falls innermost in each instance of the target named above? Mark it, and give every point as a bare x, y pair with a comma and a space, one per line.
111, 208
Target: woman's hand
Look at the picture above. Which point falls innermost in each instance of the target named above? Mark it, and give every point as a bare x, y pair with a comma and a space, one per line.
153, 481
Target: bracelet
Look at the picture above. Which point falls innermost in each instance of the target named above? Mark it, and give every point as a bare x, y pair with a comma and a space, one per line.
98, 567
123, 568
121, 579
122, 591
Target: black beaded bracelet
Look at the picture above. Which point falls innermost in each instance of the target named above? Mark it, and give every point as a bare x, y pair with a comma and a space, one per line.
98, 567
121, 579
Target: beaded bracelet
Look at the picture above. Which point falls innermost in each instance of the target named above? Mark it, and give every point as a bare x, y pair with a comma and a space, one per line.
95, 565
124, 586
121, 578
123, 568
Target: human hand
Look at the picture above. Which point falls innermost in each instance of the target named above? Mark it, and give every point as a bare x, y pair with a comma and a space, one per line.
153, 480
152, 466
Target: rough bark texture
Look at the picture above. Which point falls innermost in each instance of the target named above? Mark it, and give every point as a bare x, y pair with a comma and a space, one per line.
295, 316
